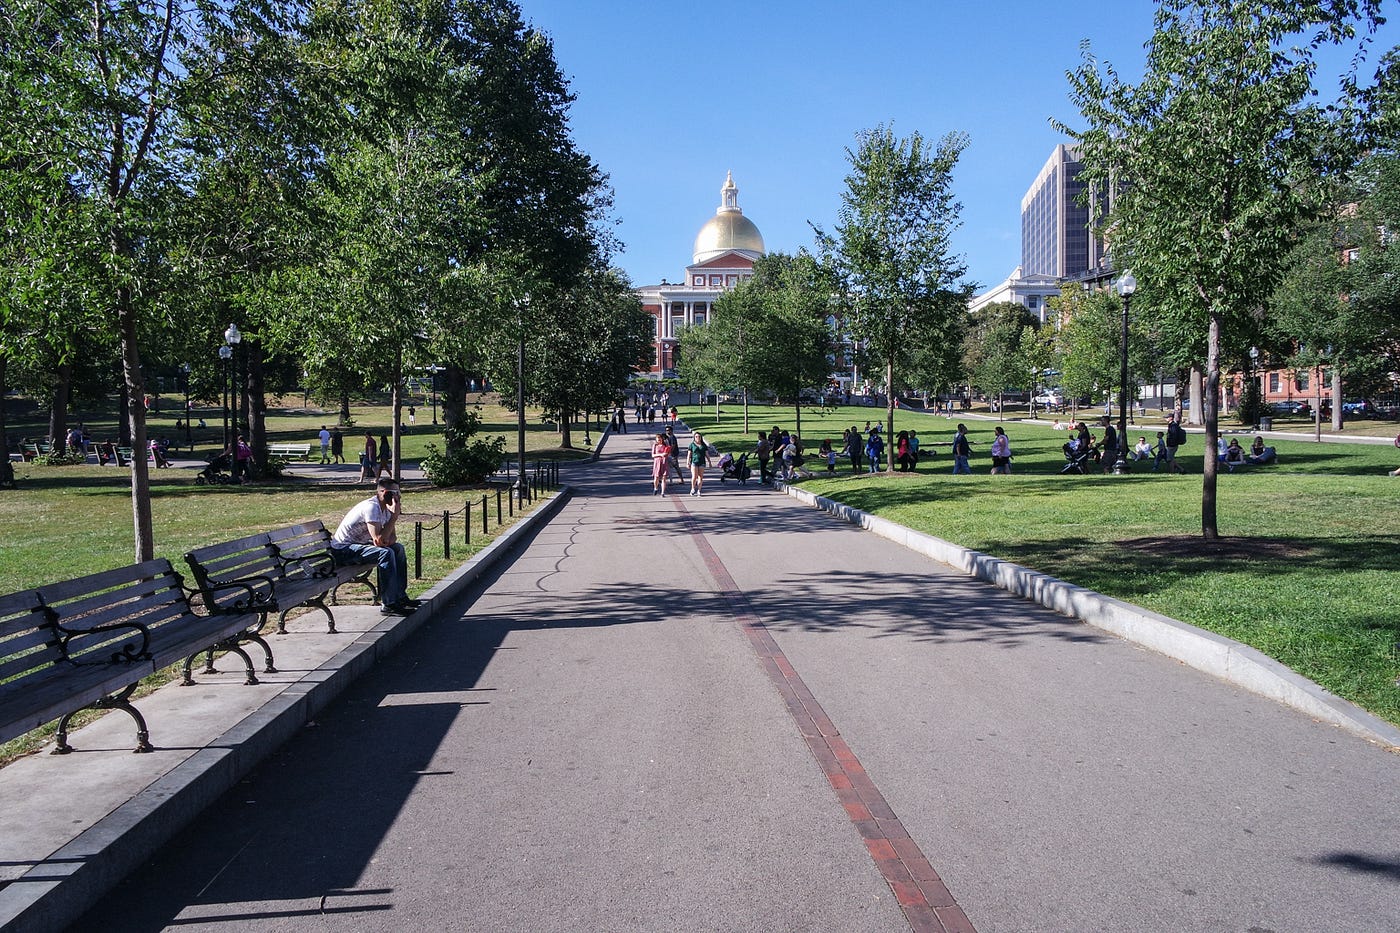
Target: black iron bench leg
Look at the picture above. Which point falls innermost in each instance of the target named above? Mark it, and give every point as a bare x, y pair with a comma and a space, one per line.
121, 701
267, 650
317, 603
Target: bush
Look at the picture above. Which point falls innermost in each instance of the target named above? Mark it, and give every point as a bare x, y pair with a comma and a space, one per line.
68, 458
464, 462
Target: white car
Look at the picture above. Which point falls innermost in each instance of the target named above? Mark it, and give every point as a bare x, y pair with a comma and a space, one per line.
1053, 399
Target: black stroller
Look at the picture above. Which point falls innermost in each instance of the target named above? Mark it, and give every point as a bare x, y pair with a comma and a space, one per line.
735, 469
1077, 461
216, 473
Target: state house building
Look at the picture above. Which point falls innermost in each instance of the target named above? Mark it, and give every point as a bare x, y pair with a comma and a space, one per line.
725, 250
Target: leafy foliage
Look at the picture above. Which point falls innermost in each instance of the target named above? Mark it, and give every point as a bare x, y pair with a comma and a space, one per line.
465, 461
899, 285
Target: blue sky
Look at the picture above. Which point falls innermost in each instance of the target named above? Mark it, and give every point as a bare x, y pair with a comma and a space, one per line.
672, 95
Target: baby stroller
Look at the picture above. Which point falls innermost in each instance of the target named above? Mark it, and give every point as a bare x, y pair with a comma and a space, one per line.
216, 473
1077, 461
735, 469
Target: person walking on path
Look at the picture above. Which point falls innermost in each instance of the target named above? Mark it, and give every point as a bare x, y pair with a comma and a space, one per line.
764, 453
674, 445
369, 535
337, 445
660, 465
242, 460
699, 457
962, 450
855, 446
368, 458
1001, 452
386, 457
325, 438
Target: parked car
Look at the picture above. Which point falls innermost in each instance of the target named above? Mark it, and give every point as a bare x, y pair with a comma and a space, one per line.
1291, 407
1358, 407
1050, 399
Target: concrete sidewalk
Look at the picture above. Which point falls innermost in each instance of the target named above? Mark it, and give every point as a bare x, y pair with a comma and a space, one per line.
733, 712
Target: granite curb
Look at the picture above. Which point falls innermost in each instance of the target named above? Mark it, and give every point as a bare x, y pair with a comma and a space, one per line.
1225, 658
57, 891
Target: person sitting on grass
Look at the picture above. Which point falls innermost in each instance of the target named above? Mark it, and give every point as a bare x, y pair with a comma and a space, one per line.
1234, 454
1142, 450
1260, 454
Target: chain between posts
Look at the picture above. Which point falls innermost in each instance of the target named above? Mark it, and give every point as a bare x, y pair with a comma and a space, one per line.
545, 474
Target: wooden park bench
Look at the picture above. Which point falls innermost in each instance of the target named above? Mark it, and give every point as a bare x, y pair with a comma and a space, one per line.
275, 571
290, 451
86, 643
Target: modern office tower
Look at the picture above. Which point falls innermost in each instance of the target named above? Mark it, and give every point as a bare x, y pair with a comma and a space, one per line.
1056, 238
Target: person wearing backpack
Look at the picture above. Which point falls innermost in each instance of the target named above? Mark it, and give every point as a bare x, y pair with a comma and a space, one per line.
1175, 437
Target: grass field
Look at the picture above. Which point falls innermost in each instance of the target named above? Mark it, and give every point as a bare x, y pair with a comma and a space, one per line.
1309, 571
290, 421
79, 522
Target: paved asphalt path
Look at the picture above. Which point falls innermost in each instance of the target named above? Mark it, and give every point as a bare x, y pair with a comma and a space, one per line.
735, 713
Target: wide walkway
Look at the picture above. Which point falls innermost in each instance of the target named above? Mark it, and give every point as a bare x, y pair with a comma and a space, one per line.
735, 713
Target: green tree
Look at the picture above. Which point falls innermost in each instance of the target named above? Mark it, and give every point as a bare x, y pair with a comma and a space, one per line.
899, 283
992, 350
1215, 156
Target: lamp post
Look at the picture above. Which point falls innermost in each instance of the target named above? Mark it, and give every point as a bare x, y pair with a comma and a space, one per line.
1258, 398
433, 370
232, 337
185, 384
225, 382
1126, 286
521, 490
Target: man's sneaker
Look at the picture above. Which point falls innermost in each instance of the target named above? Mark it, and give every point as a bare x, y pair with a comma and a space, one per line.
397, 609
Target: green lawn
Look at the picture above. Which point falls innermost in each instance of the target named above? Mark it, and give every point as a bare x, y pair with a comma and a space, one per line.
1309, 572
290, 422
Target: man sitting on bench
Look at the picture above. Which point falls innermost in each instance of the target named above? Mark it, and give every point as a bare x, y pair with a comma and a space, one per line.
369, 535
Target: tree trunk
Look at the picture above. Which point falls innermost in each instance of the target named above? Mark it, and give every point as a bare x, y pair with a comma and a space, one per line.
135, 390
1197, 413
1209, 528
58, 414
797, 408
396, 402
746, 411
452, 397
344, 417
889, 413
1337, 418
566, 421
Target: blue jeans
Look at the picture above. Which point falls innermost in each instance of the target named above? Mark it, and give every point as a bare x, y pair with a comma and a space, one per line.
960, 466
393, 567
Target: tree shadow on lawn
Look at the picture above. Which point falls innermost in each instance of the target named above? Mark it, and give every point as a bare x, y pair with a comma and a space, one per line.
1174, 560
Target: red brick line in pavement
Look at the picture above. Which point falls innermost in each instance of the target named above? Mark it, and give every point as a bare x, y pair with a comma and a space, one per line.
926, 902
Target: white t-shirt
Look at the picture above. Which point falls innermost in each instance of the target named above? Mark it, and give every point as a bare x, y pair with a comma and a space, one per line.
354, 528
325, 437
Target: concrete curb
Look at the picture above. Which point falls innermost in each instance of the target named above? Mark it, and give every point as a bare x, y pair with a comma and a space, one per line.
1213, 654
56, 892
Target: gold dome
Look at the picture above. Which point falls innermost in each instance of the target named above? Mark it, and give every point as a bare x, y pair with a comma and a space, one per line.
728, 230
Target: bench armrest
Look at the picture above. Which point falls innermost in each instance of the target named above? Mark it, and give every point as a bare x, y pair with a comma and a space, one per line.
128, 653
313, 565
258, 590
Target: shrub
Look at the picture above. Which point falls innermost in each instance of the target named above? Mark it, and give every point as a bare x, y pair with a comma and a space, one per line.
464, 462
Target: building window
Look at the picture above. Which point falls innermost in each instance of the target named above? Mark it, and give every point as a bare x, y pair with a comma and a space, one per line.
699, 281
715, 280
1033, 302
1273, 383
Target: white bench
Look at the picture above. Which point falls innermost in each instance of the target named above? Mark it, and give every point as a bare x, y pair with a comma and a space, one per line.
290, 451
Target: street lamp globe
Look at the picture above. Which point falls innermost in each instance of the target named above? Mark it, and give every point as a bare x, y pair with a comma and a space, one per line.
1127, 284
225, 352
232, 336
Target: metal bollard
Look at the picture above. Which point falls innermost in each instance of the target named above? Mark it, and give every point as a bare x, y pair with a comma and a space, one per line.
446, 533
467, 521
498, 506
417, 550
510, 506
484, 515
